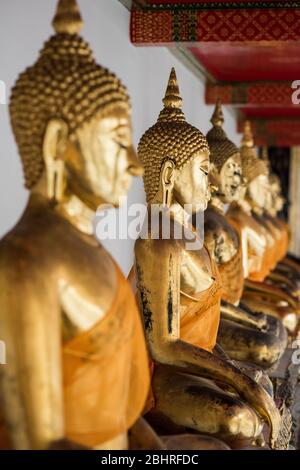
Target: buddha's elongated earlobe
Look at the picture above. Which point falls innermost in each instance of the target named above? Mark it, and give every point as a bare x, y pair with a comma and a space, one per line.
56, 181
167, 181
54, 146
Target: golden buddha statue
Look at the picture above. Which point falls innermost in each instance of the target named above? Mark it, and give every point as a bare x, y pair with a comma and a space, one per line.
287, 272
274, 205
254, 236
263, 244
77, 366
263, 292
180, 289
244, 334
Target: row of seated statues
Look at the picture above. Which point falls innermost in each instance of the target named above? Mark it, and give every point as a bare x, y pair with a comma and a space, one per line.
183, 359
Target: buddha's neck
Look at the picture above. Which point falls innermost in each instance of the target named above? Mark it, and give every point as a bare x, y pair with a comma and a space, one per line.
244, 205
177, 211
78, 214
272, 213
255, 207
179, 214
217, 204
72, 208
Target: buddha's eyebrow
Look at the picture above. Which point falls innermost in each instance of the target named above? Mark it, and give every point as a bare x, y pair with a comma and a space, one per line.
206, 161
121, 128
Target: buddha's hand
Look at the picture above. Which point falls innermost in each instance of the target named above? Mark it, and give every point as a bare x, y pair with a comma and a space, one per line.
261, 320
265, 407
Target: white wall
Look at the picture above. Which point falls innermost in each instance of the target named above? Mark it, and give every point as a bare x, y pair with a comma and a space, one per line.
26, 24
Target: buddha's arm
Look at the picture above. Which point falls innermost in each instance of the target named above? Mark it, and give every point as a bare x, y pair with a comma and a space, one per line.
31, 382
286, 270
280, 278
158, 274
290, 274
293, 263
266, 305
273, 291
240, 315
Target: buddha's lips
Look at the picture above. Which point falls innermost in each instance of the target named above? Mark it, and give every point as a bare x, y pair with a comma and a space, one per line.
234, 187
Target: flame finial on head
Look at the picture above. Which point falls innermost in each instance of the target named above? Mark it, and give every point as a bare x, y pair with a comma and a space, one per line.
172, 102
67, 19
221, 147
172, 97
247, 139
217, 118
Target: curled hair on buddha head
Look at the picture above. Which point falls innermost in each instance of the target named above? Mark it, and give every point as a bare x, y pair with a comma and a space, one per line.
221, 147
252, 165
65, 83
171, 138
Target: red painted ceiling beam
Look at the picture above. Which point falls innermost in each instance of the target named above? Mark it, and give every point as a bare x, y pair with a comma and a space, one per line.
274, 132
277, 141
250, 48
171, 22
251, 94
272, 126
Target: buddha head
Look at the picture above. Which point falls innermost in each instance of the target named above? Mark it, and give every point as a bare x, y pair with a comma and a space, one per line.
72, 120
226, 170
255, 170
175, 156
275, 201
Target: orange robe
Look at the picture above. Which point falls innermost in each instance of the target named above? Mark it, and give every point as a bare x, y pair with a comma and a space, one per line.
106, 373
285, 238
200, 316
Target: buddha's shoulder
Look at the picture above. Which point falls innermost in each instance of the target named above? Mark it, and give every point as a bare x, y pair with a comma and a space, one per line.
35, 253
16, 255
23, 256
39, 238
30, 234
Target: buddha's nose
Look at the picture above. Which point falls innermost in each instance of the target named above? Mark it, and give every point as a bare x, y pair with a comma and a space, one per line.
135, 168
